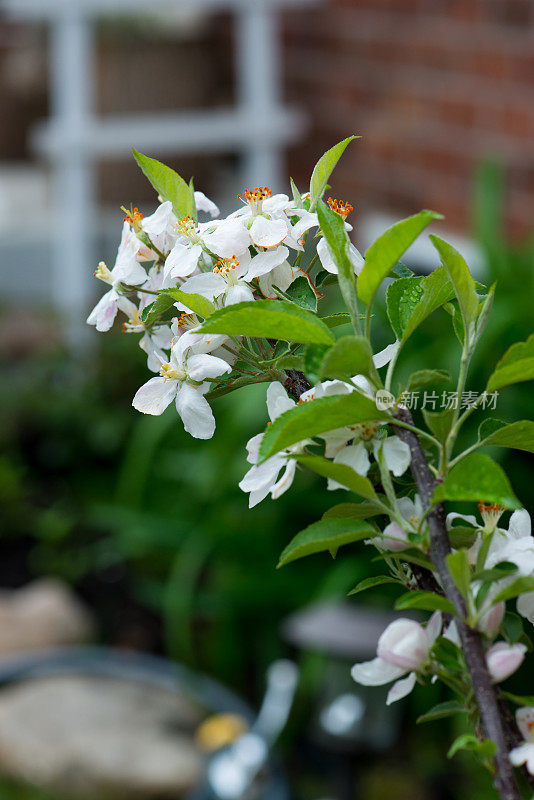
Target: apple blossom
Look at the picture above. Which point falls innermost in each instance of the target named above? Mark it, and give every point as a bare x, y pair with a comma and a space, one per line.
524, 753
504, 659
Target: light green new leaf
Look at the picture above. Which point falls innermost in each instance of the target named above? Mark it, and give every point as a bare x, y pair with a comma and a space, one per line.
272, 319
442, 710
168, 184
324, 168
318, 416
351, 355
335, 320
519, 435
427, 377
325, 535
479, 479
333, 228
484, 311
458, 566
437, 290
518, 587
195, 302
384, 254
426, 601
516, 365
352, 511
402, 297
462, 280
370, 583
341, 473
485, 749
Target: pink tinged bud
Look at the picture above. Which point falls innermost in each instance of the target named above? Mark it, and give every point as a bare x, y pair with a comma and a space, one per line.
490, 622
503, 659
525, 722
405, 644
394, 538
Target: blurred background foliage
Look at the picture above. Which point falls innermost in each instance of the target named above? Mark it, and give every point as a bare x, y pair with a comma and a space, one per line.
150, 526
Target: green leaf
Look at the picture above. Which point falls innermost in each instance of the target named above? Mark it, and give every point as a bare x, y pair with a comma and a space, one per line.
352, 511
458, 566
516, 365
160, 305
335, 320
448, 654
290, 362
333, 228
485, 749
272, 319
427, 601
384, 254
462, 536
512, 626
427, 377
442, 710
313, 358
479, 479
325, 535
168, 184
463, 282
324, 168
520, 699
351, 355
484, 312
518, 435
195, 302
410, 556
402, 296
439, 422
341, 473
318, 416
437, 290
502, 570
297, 197
519, 586
400, 270
370, 583
301, 293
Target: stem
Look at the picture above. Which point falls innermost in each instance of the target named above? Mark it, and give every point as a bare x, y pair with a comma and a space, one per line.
472, 646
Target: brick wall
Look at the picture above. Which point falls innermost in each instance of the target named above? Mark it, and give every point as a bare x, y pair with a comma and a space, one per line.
433, 87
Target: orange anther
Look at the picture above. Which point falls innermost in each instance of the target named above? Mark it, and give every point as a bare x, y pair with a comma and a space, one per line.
340, 207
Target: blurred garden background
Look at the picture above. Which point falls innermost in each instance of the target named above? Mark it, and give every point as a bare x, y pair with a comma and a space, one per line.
145, 525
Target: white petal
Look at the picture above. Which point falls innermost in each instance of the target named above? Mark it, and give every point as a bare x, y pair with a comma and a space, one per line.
523, 754
525, 606
265, 262
278, 400
325, 256
154, 396
253, 448
282, 277
105, 311
396, 455
229, 237
433, 628
182, 261
195, 412
400, 689
525, 721
285, 481
262, 476
355, 456
376, 672
472, 520
275, 203
356, 259
208, 284
203, 203
266, 232
519, 525
240, 293
200, 367
384, 356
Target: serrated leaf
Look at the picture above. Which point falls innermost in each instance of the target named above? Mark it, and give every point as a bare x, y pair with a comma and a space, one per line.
272, 319
516, 365
195, 302
518, 587
427, 377
168, 184
441, 711
291, 362
349, 356
370, 583
477, 478
324, 168
325, 535
341, 473
458, 566
301, 293
335, 320
400, 270
352, 511
437, 290
318, 416
426, 601
462, 280
154, 310
384, 254
333, 228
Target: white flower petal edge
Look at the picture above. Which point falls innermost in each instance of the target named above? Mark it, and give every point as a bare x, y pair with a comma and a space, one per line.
195, 412
401, 689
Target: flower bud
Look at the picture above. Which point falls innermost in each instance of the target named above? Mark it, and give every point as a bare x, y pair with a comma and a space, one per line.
503, 659
394, 538
404, 644
490, 622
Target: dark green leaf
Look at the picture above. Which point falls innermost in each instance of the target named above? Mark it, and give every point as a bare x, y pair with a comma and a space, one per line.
370, 583
462, 281
161, 304
427, 601
516, 365
513, 627
325, 535
195, 302
439, 422
519, 586
442, 710
462, 536
519, 435
341, 473
352, 511
479, 479
272, 319
458, 566
334, 320
313, 358
301, 293
437, 290
402, 297
351, 355
427, 377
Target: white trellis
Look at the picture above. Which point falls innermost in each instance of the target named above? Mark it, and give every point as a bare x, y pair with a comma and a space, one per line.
257, 128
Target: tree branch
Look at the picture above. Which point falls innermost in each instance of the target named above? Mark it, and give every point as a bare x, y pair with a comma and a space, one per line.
485, 694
